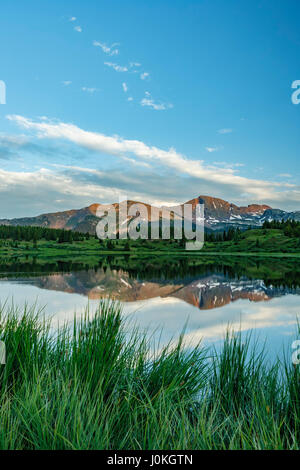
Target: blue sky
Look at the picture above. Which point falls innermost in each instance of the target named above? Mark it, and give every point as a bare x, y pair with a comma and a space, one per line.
159, 100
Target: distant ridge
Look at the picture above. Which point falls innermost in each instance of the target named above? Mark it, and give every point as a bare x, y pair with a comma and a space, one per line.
219, 215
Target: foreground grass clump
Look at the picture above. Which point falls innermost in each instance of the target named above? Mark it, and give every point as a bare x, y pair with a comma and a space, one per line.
93, 388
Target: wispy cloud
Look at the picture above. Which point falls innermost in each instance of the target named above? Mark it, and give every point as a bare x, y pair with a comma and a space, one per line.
144, 75
30, 191
89, 90
67, 82
149, 102
116, 67
211, 149
135, 162
228, 165
219, 181
130, 98
225, 131
134, 64
123, 68
109, 50
73, 18
125, 87
78, 29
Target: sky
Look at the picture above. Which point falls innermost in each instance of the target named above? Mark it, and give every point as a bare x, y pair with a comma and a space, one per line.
154, 100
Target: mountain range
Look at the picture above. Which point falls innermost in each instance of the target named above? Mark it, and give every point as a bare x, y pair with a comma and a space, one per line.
218, 214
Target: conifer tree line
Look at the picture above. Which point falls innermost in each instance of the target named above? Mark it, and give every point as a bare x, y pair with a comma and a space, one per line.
28, 234
225, 236
291, 228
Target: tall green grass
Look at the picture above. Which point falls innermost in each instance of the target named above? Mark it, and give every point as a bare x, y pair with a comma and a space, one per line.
92, 387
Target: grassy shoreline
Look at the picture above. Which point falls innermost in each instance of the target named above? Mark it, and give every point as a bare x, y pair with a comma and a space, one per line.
93, 388
56, 251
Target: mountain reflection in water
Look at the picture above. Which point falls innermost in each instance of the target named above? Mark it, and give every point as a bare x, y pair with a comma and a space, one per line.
164, 295
204, 291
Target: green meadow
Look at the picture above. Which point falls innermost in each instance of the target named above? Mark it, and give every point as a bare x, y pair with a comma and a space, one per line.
261, 242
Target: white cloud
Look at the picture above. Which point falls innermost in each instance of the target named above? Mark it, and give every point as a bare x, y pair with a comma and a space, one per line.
136, 162
149, 102
73, 18
67, 82
225, 131
123, 68
144, 75
29, 193
228, 165
220, 180
78, 29
125, 87
34, 188
130, 98
13, 140
211, 149
116, 67
89, 90
110, 50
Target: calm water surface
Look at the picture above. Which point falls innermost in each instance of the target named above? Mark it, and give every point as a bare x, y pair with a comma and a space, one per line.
206, 298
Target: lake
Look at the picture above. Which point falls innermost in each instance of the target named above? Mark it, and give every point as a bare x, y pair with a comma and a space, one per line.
164, 295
